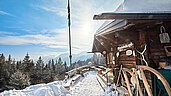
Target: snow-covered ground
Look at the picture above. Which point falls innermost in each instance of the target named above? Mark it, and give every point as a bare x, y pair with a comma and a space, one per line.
87, 85
51, 89
84, 86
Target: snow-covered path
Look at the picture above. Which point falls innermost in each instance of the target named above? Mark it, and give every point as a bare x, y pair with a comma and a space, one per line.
87, 86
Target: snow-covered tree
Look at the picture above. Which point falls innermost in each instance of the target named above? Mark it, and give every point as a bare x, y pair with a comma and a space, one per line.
19, 80
60, 61
66, 69
13, 66
27, 65
4, 73
40, 65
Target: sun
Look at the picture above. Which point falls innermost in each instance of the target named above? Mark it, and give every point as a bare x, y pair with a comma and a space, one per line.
86, 29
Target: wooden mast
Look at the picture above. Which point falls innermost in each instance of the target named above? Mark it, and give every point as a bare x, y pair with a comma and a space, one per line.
69, 25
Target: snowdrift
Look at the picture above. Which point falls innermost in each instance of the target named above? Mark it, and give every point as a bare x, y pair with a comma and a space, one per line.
51, 89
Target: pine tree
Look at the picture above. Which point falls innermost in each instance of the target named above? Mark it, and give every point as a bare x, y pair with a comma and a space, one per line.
19, 65
27, 66
19, 80
49, 65
60, 66
9, 62
60, 61
56, 67
40, 65
13, 66
60, 69
47, 73
65, 65
53, 66
38, 74
4, 73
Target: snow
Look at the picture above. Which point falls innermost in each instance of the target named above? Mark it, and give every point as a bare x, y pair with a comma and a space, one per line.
86, 85
70, 80
145, 6
119, 90
51, 89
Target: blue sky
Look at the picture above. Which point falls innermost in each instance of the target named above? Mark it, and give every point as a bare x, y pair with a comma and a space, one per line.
40, 26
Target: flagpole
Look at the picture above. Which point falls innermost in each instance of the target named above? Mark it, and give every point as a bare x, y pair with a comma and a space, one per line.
69, 25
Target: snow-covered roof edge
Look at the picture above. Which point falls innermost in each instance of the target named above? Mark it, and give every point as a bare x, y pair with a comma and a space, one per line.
141, 6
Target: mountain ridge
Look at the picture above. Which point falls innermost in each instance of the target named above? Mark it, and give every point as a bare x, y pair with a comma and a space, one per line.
65, 57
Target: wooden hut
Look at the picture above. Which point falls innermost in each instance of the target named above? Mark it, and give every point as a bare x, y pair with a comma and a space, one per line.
129, 32
136, 35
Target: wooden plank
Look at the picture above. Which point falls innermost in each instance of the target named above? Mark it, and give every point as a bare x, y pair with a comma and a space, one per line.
127, 62
127, 58
158, 53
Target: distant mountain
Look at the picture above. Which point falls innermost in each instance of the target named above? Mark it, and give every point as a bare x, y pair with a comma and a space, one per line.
47, 58
65, 57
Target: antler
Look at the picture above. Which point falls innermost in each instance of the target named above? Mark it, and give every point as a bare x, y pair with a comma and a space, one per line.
142, 54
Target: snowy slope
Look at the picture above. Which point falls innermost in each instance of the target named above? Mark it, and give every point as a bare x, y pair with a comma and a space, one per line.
51, 89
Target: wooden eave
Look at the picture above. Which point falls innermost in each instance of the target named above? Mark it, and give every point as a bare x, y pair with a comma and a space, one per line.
136, 16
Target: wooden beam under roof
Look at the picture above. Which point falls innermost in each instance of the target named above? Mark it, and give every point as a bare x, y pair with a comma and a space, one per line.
133, 16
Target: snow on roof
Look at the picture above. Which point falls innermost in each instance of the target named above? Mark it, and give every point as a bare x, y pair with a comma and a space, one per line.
139, 6
145, 6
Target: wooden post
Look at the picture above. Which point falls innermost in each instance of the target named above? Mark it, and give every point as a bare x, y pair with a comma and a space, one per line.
69, 29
